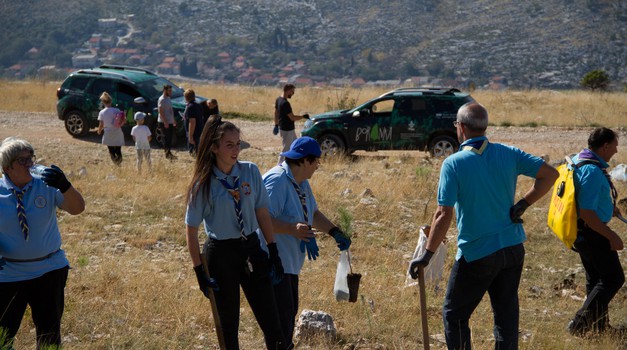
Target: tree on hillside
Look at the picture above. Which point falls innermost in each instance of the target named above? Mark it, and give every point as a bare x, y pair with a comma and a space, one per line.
595, 80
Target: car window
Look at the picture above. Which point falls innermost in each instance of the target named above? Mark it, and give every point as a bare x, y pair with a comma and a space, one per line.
444, 106
154, 88
101, 85
78, 83
127, 93
412, 106
383, 107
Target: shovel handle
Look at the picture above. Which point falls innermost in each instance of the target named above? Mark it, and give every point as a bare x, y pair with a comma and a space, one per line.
212, 300
423, 308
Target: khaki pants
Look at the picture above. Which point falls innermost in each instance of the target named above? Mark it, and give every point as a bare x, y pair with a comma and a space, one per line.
287, 137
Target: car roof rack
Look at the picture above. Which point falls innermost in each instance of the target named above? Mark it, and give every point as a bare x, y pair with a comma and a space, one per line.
119, 67
96, 72
424, 90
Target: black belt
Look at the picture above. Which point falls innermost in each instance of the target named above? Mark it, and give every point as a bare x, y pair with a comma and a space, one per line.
30, 260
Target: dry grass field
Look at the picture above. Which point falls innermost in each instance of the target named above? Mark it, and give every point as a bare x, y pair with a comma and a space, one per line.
132, 286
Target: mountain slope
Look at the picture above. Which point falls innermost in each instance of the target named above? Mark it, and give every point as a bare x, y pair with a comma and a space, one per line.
532, 43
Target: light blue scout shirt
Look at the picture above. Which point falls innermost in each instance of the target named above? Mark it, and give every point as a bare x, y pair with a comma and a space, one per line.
40, 202
480, 182
285, 206
593, 190
219, 214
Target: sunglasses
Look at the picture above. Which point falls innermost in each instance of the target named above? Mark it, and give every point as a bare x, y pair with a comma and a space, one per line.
24, 161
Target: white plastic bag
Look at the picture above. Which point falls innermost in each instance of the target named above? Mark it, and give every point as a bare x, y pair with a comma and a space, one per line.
433, 271
340, 289
619, 173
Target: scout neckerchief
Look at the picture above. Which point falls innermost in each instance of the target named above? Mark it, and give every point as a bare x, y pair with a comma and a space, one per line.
303, 199
478, 146
234, 191
21, 211
588, 155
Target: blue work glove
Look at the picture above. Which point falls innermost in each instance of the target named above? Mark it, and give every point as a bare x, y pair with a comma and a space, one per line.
54, 177
205, 283
341, 238
275, 131
276, 267
517, 210
311, 247
421, 261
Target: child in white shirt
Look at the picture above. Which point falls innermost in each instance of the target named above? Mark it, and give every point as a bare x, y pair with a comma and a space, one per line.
142, 136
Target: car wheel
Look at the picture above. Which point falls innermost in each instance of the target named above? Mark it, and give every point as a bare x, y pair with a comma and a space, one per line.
443, 146
76, 124
331, 145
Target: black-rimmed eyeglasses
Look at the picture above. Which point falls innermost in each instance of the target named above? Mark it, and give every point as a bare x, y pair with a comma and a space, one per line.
24, 161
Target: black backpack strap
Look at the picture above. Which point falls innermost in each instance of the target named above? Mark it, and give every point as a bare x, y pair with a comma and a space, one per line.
585, 162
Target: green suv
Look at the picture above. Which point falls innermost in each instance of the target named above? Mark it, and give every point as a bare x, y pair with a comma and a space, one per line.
132, 90
401, 119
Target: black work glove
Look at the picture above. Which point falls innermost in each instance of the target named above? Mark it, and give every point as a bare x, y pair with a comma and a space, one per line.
54, 177
276, 267
275, 131
203, 282
517, 210
421, 261
341, 238
306, 116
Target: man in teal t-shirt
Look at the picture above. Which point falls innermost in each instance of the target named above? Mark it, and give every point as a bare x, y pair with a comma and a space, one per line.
478, 184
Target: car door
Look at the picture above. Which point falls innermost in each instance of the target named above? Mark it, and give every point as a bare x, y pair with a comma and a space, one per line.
370, 128
123, 100
408, 122
95, 90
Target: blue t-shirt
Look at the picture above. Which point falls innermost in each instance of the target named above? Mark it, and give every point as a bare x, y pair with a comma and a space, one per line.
480, 182
593, 190
40, 202
218, 213
285, 206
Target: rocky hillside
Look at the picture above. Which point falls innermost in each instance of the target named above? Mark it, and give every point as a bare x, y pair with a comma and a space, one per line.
550, 43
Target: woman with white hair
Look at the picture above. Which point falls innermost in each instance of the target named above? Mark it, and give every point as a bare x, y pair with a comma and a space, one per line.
33, 267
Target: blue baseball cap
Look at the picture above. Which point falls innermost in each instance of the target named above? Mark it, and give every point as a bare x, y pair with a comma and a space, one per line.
303, 147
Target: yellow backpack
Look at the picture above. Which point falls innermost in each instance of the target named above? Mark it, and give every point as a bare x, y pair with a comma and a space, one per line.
562, 219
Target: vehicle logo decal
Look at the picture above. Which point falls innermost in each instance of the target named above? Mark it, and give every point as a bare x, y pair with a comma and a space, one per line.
374, 133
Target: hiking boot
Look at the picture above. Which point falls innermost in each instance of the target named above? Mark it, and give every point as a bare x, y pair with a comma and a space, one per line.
577, 329
169, 155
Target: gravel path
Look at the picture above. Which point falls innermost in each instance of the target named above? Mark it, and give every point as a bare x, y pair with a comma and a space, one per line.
552, 141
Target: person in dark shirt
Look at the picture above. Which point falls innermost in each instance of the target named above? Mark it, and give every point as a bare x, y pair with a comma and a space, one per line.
284, 119
193, 121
